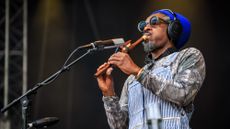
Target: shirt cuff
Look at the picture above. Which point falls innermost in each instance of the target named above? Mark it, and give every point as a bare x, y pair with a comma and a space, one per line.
110, 102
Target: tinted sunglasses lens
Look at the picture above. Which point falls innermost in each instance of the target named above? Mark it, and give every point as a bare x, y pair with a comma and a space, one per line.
154, 20
141, 26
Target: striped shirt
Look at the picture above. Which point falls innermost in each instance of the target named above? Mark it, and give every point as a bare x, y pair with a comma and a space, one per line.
171, 82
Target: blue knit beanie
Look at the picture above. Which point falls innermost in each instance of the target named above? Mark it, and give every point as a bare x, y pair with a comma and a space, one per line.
186, 26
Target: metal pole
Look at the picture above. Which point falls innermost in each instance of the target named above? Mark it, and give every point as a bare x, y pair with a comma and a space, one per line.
6, 65
24, 67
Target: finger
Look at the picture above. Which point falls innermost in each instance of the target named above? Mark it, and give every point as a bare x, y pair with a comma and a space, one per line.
101, 83
100, 67
109, 71
114, 58
114, 62
99, 78
118, 54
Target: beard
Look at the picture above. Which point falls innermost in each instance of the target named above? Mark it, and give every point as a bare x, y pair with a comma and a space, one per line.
149, 46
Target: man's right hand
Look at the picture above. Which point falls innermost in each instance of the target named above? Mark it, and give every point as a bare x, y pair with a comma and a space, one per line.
105, 82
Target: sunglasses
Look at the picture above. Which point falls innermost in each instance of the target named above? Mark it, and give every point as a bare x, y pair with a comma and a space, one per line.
153, 21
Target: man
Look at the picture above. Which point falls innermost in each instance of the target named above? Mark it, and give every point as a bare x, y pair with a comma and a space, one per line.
171, 79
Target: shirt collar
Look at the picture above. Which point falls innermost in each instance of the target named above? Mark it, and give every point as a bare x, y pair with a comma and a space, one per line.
167, 52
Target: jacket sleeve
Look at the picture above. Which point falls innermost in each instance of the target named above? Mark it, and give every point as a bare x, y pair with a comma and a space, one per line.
117, 110
186, 82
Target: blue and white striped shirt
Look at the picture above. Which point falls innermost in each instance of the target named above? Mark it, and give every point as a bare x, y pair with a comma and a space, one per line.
172, 82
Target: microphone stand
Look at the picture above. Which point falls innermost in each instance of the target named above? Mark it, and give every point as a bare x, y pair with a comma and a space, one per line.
24, 98
154, 119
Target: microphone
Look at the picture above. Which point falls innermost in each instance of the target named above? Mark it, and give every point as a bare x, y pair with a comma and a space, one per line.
44, 122
103, 44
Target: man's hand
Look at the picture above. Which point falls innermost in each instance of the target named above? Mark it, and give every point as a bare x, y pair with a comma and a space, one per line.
124, 63
105, 82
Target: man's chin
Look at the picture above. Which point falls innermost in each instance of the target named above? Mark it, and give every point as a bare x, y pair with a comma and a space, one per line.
149, 47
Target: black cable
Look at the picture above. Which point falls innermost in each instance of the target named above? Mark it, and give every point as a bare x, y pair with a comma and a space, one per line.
61, 70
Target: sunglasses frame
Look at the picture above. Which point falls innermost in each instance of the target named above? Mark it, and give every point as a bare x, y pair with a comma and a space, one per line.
157, 20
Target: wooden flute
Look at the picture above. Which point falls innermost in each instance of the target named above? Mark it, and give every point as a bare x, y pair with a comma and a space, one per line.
125, 48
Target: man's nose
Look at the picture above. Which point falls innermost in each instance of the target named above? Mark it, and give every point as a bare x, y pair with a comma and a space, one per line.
147, 28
